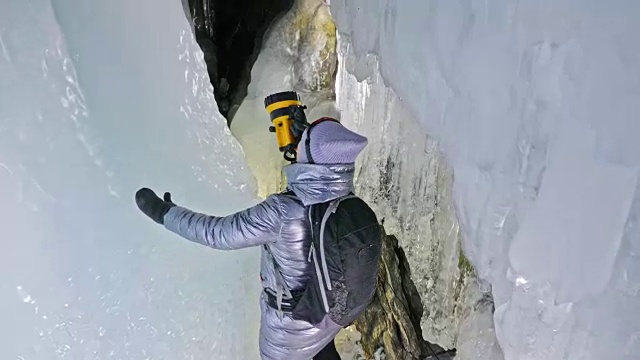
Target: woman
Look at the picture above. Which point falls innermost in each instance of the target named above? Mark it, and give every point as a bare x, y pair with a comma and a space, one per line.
280, 224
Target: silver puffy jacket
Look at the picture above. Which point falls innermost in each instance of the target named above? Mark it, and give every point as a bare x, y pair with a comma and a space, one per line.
281, 223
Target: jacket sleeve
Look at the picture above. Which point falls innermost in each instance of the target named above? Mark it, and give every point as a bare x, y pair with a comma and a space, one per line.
257, 225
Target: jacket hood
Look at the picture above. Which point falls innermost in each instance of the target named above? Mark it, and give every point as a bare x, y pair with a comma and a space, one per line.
315, 183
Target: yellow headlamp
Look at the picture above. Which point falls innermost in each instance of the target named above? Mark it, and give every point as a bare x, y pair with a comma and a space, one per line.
287, 115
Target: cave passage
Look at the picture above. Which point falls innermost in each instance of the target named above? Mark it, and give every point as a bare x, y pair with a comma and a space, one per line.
230, 34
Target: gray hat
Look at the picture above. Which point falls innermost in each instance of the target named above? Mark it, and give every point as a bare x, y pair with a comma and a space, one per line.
331, 143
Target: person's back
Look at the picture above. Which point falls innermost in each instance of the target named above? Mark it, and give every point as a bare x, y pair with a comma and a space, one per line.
281, 225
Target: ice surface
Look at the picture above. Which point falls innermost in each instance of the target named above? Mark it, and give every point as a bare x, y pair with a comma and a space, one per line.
403, 175
98, 99
572, 184
534, 105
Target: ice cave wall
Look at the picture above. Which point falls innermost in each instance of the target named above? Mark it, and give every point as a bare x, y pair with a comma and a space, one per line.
534, 106
406, 179
96, 100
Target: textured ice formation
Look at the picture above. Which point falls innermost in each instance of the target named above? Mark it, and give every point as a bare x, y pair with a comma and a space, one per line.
404, 176
98, 99
534, 106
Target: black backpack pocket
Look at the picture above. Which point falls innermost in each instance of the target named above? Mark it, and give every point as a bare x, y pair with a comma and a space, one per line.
344, 255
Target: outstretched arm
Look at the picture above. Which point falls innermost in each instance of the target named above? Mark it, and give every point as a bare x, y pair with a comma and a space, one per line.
257, 225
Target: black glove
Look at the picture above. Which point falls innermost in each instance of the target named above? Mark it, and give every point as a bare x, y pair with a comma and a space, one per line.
152, 206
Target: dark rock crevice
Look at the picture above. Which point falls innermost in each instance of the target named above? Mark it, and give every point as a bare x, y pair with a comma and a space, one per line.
230, 34
392, 320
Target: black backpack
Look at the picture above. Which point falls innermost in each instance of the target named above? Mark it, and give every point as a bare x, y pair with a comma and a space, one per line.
345, 253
